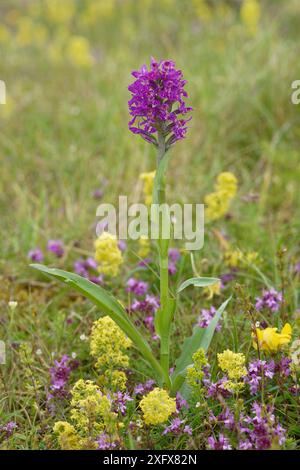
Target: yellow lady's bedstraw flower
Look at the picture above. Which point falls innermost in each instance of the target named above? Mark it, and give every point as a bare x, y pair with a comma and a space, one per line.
148, 180
233, 364
157, 406
67, 437
271, 341
218, 202
250, 15
108, 254
108, 343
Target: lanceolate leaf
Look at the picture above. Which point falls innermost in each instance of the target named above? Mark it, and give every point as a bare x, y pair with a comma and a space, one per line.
201, 338
198, 282
109, 305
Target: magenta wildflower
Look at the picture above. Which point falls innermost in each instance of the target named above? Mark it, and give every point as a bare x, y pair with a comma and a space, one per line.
136, 287
142, 388
174, 255
270, 299
8, 429
181, 402
36, 255
120, 402
157, 102
56, 247
177, 427
149, 305
222, 443
88, 268
122, 245
256, 371
60, 374
104, 442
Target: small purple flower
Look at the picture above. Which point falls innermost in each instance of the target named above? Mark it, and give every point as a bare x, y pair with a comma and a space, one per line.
97, 193
270, 299
120, 402
181, 402
172, 268
36, 255
8, 429
122, 245
136, 287
56, 247
177, 427
206, 317
60, 374
149, 305
174, 255
222, 443
143, 388
157, 102
144, 263
256, 371
104, 442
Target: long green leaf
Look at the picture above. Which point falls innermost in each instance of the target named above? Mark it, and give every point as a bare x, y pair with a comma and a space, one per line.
201, 338
111, 307
197, 282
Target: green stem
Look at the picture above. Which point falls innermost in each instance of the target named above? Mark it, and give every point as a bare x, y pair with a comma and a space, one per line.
163, 246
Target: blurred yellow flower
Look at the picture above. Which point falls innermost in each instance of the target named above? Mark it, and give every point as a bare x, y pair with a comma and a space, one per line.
148, 180
214, 289
97, 10
59, 11
108, 254
250, 15
217, 203
78, 51
4, 34
30, 33
144, 247
271, 341
203, 10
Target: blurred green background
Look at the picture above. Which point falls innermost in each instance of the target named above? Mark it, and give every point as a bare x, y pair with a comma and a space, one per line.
67, 65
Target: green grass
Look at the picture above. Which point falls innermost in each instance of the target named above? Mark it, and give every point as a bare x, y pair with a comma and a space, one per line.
67, 133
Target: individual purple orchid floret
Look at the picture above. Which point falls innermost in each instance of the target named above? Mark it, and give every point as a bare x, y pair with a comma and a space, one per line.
206, 317
157, 102
105, 443
36, 255
271, 299
56, 247
136, 287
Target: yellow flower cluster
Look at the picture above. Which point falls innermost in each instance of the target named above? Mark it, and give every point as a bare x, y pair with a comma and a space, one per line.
232, 363
250, 15
271, 341
90, 414
218, 202
157, 406
236, 258
97, 10
78, 52
108, 254
195, 374
108, 343
148, 181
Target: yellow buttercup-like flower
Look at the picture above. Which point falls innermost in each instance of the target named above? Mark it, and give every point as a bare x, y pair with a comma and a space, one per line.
157, 406
271, 341
108, 254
